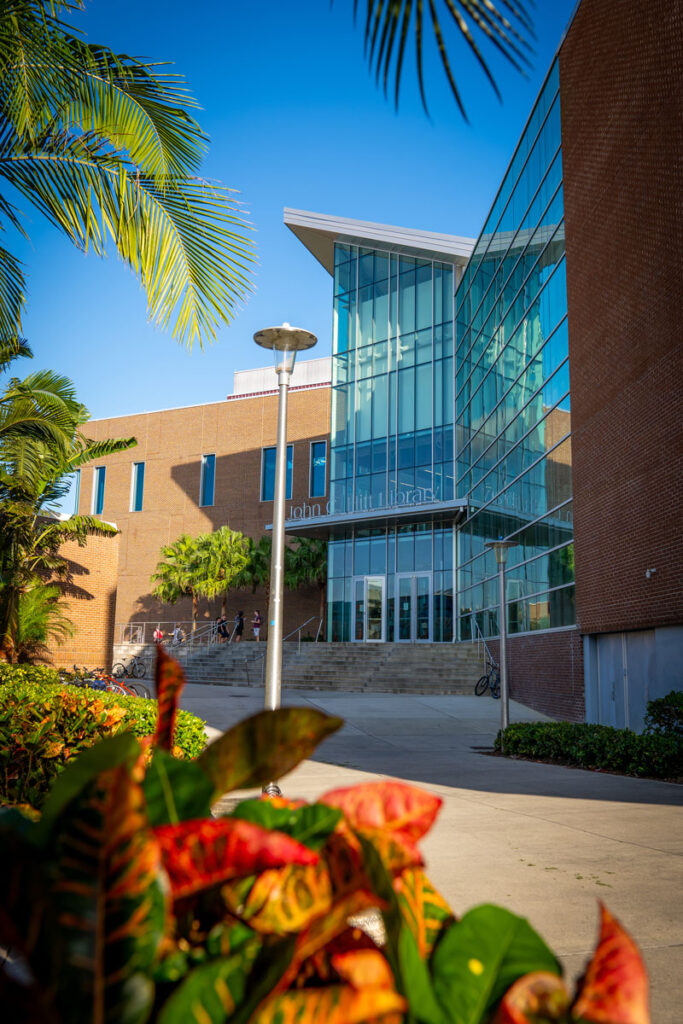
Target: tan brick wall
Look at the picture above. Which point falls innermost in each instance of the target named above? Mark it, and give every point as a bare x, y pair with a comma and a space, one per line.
171, 444
90, 603
621, 69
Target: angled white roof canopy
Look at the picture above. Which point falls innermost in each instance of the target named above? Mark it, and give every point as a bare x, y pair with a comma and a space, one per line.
319, 232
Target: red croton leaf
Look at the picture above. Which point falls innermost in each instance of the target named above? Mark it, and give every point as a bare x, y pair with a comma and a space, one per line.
205, 852
363, 968
169, 679
335, 1004
392, 806
615, 986
539, 996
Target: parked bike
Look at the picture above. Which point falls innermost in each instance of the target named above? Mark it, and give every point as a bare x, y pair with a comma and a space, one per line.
489, 681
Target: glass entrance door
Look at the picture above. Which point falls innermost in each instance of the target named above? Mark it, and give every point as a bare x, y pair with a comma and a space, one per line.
414, 607
368, 608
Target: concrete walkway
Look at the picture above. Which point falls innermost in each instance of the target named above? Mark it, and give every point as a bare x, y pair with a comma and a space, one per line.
544, 841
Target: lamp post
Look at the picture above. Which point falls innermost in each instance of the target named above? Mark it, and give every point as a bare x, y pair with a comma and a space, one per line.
285, 341
500, 549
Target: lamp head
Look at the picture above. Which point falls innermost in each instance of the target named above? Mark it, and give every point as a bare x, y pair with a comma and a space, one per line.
500, 549
285, 341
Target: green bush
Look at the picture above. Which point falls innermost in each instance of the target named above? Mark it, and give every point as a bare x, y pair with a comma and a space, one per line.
27, 674
658, 756
665, 715
43, 727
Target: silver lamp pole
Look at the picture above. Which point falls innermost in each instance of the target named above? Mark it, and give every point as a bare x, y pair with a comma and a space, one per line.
285, 341
500, 548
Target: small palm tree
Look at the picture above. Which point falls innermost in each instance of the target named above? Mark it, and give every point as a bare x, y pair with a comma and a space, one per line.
228, 553
307, 566
41, 621
184, 571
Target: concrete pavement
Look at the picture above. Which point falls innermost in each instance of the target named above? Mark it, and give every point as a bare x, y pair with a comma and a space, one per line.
546, 842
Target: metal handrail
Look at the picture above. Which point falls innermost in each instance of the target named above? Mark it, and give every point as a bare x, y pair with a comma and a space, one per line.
481, 640
297, 629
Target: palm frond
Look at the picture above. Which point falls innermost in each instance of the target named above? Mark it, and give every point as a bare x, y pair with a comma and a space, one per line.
12, 296
185, 239
508, 27
13, 348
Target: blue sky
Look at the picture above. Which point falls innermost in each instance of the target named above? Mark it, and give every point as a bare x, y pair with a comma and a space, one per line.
295, 119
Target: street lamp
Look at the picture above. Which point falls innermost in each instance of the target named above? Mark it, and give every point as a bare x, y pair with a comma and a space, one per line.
500, 549
285, 341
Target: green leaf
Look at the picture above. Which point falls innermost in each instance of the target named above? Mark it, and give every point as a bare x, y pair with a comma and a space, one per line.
310, 824
175, 790
264, 747
226, 939
481, 956
410, 970
110, 753
212, 991
271, 964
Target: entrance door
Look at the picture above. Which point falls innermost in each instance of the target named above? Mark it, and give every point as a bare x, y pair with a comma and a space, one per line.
368, 608
414, 607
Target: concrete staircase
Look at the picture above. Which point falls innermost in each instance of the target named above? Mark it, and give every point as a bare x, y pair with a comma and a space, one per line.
373, 668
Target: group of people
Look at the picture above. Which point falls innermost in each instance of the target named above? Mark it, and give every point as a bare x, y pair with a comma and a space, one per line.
221, 627
221, 630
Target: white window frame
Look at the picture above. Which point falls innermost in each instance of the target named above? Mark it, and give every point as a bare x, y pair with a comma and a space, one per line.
132, 507
95, 489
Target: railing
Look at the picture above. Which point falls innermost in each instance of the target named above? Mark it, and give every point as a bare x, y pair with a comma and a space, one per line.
141, 633
262, 657
480, 641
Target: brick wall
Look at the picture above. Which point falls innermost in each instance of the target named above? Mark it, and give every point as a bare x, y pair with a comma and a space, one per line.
545, 672
171, 444
621, 69
90, 599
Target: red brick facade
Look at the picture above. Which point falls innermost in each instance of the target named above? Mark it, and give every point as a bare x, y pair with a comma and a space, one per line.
545, 672
171, 444
621, 70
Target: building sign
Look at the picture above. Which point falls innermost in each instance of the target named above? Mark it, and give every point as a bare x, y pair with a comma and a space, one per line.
365, 503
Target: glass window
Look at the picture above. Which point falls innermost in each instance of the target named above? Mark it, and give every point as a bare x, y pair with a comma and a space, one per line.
207, 480
268, 473
318, 469
98, 490
77, 489
137, 486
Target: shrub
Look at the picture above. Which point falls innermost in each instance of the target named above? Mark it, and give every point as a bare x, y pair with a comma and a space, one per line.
595, 746
43, 727
128, 902
27, 674
665, 715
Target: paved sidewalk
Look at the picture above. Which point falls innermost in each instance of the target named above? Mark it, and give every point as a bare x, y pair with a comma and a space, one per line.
544, 841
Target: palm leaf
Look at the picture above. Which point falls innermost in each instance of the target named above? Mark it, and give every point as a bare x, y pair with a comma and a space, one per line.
387, 26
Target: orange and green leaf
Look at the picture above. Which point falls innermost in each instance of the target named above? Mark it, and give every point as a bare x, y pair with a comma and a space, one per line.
264, 747
615, 985
537, 997
422, 907
169, 679
206, 852
391, 806
363, 968
285, 900
212, 991
335, 1004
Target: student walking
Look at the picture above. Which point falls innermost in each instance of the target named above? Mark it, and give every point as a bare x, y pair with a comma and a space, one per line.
239, 626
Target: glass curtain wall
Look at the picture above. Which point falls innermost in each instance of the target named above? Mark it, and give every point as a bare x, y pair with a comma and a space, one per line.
392, 381
513, 447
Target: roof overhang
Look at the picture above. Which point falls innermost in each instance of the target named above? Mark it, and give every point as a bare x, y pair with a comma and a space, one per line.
328, 525
318, 232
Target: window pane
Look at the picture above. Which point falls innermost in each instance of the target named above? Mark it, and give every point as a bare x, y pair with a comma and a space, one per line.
268, 473
318, 468
208, 479
98, 490
138, 487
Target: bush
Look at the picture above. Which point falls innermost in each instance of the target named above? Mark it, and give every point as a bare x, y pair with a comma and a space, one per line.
43, 727
27, 674
596, 746
665, 715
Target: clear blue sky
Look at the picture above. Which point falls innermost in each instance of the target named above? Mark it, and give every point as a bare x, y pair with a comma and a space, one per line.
295, 119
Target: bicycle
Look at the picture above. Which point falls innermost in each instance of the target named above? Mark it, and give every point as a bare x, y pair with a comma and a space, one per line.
489, 681
97, 679
135, 668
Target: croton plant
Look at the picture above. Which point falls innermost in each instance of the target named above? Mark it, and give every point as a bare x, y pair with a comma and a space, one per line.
126, 901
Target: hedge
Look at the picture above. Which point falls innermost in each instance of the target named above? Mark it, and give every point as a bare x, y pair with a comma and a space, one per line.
658, 756
665, 715
44, 726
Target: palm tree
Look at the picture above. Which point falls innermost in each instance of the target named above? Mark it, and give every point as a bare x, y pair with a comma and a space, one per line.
228, 552
102, 144
184, 571
38, 454
41, 621
307, 565
256, 572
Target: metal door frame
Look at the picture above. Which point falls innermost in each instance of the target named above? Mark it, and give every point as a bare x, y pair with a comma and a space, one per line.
382, 580
413, 576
